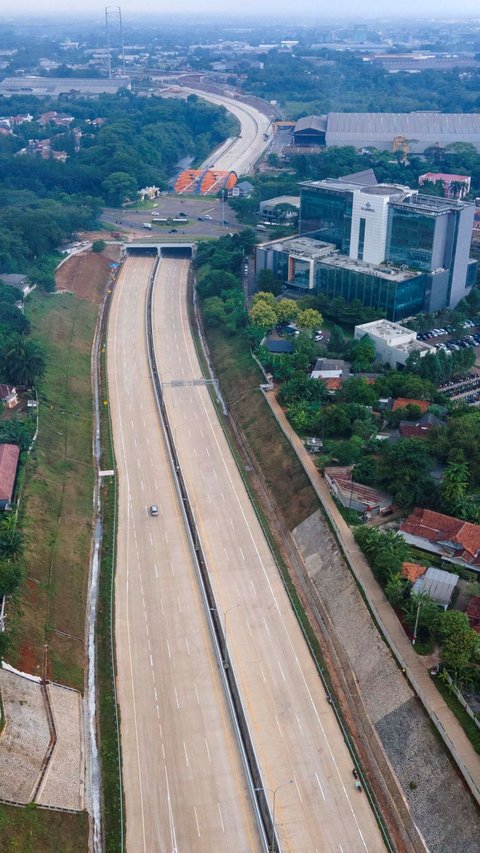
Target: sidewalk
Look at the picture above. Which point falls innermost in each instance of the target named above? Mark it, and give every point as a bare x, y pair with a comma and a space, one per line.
452, 733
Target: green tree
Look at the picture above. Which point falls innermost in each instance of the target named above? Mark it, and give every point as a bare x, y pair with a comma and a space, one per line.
404, 469
287, 311
214, 311
266, 281
357, 390
98, 246
263, 314
11, 544
336, 342
453, 491
11, 575
458, 649
119, 187
23, 362
310, 319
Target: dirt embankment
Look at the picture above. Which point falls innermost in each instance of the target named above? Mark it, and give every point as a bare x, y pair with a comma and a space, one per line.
86, 275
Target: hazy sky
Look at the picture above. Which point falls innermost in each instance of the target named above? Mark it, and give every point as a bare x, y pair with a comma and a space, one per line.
266, 8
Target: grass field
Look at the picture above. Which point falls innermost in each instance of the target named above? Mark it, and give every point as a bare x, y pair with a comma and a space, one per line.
33, 830
239, 379
56, 504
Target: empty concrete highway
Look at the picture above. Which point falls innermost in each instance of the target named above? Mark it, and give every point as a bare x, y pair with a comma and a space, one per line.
300, 749
184, 784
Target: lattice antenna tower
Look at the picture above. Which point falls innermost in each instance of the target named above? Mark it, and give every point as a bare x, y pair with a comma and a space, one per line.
113, 19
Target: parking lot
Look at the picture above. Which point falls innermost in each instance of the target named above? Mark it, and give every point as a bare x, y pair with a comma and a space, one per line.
466, 389
442, 338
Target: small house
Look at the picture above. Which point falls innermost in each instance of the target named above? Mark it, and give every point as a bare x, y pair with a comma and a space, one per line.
9, 458
437, 584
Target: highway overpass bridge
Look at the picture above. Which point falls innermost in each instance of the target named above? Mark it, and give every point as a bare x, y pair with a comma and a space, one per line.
161, 248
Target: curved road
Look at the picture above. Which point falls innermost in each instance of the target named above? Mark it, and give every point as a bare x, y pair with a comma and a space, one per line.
298, 744
183, 780
244, 152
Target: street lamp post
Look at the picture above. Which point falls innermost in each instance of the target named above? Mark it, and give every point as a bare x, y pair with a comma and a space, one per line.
273, 792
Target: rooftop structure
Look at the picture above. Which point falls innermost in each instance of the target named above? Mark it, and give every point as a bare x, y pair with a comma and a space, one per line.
393, 342
355, 495
204, 181
53, 87
454, 186
412, 571
455, 540
418, 243
420, 129
437, 584
9, 456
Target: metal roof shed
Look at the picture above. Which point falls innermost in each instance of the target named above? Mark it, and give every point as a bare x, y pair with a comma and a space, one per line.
437, 584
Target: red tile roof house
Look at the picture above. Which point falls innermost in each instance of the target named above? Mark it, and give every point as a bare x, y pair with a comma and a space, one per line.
355, 495
9, 456
456, 541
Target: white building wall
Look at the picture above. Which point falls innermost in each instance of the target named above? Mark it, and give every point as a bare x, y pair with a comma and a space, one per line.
374, 210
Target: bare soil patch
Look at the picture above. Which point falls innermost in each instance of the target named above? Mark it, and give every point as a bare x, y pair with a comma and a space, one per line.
85, 275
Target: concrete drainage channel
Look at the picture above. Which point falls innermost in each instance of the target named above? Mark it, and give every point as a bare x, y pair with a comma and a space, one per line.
247, 751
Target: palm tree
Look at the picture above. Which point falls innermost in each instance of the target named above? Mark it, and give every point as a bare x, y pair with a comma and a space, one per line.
11, 544
23, 361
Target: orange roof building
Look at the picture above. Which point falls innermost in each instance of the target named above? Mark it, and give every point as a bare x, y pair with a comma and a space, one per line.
403, 402
204, 181
452, 538
412, 571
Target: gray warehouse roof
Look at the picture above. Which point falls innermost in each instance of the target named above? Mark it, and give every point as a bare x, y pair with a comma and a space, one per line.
55, 86
438, 584
311, 123
420, 129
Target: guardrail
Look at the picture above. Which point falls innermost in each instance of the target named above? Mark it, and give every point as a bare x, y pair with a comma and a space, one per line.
254, 779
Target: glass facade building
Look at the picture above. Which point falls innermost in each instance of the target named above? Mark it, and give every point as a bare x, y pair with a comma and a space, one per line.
327, 215
410, 238
397, 296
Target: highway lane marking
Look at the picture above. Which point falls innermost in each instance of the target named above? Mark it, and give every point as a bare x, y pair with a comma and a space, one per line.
226, 552
179, 604
236, 588
194, 452
188, 647
196, 693
222, 497
170, 814
323, 795
298, 721
298, 789
186, 754
173, 570
221, 817
274, 597
169, 650
263, 674
196, 821
161, 606
151, 661
208, 751
249, 628
216, 522
253, 586
281, 670
231, 523
209, 498
176, 697
156, 570
214, 472
132, 682
166, 537
266, 626
208, 453
243, 555
151, 538
143, 488
279, 726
